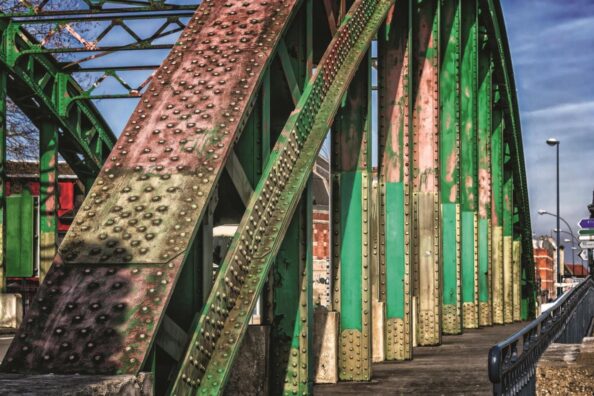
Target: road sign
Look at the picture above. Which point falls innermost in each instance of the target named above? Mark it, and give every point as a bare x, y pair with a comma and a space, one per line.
586, 223
584, 255
586, 231
587, 244
586, 237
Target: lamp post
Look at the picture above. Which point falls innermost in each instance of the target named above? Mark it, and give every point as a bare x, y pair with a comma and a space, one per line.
546, 212
554, 142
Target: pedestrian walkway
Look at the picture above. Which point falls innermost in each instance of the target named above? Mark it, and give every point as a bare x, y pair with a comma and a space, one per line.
457, 367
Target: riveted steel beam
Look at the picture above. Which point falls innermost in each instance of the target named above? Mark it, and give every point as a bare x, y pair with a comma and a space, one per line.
425, 171
290, 281
224, 319
485, 123
394, 180
517, 279
137, 224
40, 88
48, 196
468, 163
3, 97
493, 21
497, 211
450, 96
508, 301
351, 184
291, 338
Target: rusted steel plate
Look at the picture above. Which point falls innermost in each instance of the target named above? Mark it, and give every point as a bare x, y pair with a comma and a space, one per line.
100, 306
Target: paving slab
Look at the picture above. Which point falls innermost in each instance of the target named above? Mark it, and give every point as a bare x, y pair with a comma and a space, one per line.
457, 367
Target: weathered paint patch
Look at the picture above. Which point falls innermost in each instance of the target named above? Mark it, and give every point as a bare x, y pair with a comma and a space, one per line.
484, 179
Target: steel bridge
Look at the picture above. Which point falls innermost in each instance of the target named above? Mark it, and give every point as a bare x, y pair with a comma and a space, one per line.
430, 228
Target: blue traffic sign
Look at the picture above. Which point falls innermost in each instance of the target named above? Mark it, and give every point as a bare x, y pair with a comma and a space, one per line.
586, 223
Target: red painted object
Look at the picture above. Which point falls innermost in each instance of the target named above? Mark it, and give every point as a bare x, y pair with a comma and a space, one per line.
66, 198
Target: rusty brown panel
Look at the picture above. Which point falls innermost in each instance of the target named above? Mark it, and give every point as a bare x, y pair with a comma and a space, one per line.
98, 311
394, 118
426, 109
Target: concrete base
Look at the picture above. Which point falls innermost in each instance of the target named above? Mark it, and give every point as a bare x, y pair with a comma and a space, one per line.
5, 340
79, 385
567, 369
11, 311
377, 329
249, 375
325, 346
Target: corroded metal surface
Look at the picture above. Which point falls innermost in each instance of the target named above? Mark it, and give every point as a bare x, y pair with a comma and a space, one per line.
225, 317
394, 182
426, 232
98, 311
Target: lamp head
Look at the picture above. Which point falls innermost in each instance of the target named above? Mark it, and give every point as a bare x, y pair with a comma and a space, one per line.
552, 142
541, 211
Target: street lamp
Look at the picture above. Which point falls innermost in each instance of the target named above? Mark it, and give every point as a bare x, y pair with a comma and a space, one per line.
554, 142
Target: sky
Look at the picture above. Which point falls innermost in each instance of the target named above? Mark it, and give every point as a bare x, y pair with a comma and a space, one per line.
552, 47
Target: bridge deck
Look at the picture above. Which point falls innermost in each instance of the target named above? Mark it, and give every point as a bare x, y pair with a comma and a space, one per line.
458, 366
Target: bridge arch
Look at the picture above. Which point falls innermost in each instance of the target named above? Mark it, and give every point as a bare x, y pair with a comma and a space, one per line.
453, 248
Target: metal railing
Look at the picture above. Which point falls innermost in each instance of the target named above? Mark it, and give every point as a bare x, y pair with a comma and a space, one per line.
512, 363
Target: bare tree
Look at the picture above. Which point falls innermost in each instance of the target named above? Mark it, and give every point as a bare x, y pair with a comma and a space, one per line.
22, 139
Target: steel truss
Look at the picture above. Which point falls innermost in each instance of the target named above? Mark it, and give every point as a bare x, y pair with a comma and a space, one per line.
228, 129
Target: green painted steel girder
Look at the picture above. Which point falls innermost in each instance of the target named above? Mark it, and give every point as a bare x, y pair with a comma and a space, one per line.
450, 164
492, 17
44, 93
394, 180
468, 162
485, 125
351, 185
3, 97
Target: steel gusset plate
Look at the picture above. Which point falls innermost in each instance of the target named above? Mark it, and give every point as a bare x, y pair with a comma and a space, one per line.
100, 305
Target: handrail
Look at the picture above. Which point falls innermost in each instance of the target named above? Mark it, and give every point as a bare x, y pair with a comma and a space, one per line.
514, 373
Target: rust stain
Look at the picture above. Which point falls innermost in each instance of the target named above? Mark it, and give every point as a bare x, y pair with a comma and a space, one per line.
452, 161
484, 180
395, 80
454, 193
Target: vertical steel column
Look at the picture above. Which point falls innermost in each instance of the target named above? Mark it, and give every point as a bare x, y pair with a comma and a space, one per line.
48, 196
351, 185
485, 119
449, 92
508, 230
394, 205
426, 247
517, 285
291, 343
291, 334
3, 98
497, 211
468, 163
